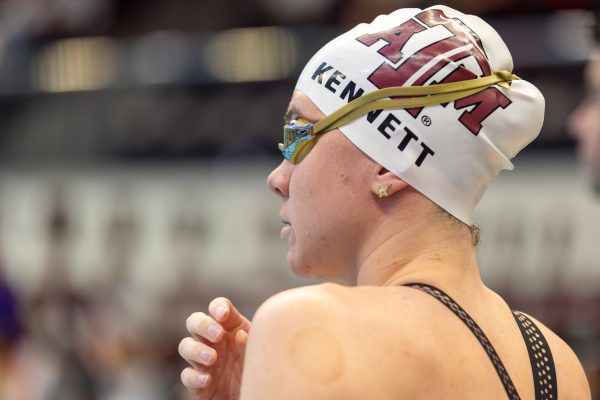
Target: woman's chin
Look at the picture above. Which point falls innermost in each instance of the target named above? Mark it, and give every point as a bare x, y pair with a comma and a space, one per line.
297, 266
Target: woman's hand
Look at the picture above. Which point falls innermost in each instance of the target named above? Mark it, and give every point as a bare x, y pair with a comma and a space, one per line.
215, 350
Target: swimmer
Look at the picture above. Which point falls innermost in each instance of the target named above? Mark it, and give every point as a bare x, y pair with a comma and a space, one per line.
393, 133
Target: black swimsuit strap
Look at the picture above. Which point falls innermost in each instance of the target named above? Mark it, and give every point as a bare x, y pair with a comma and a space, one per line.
542, 362
509, 387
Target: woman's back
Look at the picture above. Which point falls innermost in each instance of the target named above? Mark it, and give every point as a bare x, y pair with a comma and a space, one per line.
396, 342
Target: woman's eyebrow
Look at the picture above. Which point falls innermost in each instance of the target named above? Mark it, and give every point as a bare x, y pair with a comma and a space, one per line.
293, 113
290, 114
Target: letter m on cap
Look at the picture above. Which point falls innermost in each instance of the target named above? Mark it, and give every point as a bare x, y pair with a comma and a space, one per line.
418, 68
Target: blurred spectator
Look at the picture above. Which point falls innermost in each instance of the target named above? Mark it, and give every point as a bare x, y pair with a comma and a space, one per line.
10, 333
10, 320
21, 360
584, 125
584, 122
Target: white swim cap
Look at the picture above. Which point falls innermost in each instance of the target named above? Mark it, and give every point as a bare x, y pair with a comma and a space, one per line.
450, 152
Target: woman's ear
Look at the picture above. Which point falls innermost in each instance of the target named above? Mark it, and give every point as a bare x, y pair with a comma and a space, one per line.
386, 184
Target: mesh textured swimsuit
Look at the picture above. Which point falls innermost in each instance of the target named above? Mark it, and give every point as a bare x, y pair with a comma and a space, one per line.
542, 363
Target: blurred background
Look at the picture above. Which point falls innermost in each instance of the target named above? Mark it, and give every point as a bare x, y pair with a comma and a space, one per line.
135, 140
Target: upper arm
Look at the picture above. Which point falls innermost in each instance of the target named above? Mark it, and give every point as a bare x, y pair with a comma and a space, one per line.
571, 378
293, 352
573, 375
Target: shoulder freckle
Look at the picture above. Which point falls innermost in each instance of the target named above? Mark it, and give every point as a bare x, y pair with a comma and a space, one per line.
317, 355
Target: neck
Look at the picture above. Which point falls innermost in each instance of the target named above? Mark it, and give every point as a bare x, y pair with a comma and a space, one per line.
419, 252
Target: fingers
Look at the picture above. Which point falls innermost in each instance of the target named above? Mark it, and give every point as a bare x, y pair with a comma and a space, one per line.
200, 350
195, 380
201, 325
197, 353
222, 310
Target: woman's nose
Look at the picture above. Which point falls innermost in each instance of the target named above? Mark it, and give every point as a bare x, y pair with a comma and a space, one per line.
279, 179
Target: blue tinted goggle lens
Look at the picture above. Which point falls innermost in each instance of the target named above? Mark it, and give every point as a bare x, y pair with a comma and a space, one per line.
293, 134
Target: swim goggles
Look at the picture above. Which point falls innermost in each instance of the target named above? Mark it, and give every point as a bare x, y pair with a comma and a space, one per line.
300, 136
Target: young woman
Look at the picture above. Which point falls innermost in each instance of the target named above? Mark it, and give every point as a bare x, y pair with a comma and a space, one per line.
393, 133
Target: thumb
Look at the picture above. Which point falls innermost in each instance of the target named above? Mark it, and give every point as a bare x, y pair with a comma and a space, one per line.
241, 339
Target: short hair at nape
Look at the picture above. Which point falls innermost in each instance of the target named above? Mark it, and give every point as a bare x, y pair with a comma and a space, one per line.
458, 224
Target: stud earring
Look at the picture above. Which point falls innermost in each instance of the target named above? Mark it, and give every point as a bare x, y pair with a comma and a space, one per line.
382, 191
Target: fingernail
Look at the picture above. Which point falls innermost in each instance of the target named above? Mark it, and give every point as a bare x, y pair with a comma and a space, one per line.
205, 356
213, 332
219, 312
202, 379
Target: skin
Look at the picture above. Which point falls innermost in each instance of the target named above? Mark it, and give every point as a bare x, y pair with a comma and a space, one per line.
371, 338
584, 121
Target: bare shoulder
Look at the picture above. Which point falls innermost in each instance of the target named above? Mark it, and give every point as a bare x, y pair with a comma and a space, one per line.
338, 307
293, 352
322, 341
571, 379
316, 298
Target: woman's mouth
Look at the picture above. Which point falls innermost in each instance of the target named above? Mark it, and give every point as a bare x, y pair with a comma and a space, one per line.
285, 231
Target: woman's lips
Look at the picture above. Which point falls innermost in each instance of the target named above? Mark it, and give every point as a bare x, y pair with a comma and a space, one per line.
285, 231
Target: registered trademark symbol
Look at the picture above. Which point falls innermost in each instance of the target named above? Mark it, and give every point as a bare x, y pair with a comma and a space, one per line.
426, 120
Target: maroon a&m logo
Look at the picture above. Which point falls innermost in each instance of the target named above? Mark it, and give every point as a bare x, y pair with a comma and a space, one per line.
459, 45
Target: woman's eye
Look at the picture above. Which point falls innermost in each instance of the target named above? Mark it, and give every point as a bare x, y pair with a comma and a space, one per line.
293, 133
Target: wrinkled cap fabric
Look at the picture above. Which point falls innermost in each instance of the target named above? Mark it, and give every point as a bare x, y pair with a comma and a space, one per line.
448, 152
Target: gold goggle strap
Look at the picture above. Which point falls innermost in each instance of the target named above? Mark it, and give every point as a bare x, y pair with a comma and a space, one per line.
302, 149
426, 96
